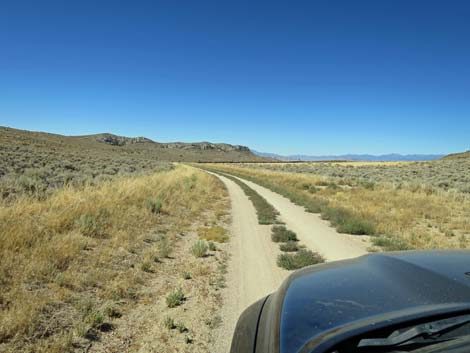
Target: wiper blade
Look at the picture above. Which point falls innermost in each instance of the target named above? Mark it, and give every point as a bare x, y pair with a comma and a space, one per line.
424, 330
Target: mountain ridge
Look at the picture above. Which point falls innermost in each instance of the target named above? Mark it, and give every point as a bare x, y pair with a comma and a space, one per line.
122, 145
353, 157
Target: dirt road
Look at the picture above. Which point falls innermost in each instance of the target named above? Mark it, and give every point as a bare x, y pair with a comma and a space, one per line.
311, 230
252, 272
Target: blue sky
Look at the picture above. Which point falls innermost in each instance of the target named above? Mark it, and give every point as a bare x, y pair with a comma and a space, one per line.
312, 77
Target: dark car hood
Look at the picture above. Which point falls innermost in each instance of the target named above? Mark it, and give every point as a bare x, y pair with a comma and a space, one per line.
326, 297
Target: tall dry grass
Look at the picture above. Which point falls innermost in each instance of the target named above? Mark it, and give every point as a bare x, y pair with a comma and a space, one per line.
66, 261
401, 217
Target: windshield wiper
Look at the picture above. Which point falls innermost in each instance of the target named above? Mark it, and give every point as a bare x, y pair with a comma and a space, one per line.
427, 330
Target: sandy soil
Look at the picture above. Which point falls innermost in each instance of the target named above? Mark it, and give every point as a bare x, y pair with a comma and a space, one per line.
252, 271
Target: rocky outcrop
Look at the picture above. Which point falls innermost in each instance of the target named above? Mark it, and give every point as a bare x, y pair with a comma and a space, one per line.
121, 140
205, 146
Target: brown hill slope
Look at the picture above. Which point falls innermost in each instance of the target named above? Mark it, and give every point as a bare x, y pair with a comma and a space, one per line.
458, 155
35, 162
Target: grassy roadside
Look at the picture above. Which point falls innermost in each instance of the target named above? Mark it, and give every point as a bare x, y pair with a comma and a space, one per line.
398, 217
77, 263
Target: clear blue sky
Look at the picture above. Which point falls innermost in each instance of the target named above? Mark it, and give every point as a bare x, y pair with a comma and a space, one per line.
316, 77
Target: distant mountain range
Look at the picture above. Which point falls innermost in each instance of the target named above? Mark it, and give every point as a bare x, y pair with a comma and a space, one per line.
352, 157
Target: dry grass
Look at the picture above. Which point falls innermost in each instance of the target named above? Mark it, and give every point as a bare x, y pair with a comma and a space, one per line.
403, 215
72, 262
373, 163
449, 174
215, 233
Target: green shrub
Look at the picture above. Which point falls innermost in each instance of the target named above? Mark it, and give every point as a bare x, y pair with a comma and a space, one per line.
186, 275
333, 186
282, 234
181, 327
188, 339
212, 246
154, 205
369, 185
94, 224
312, 189
175, 298
390, 243
146, 266
312, 204
289, 246
346, 221
298, 260
169, 323
199, 248
165, 248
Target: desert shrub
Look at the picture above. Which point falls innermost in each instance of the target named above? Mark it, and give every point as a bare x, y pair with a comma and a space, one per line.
181, 327
312, 189
175, 298
111, 310
188, 339
169, 323
282, 234
186, 275
91, 319
333, 186
346, 221
199, 249
367, 184
212, 246
216, 233
94, 224
165, 248
299, 259
146, 266
154, 205
289, 246
390, 243
34, 181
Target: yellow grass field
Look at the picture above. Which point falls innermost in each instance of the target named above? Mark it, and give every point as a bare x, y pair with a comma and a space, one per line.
398, 216
79, 258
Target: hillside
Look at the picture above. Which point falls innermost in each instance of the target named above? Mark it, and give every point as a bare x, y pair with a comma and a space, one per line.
458, 155
109, 143
35, 162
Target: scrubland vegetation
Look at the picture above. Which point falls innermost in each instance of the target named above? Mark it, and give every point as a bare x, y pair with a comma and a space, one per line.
78, 262
402, 205
36, 163
448, 174
299, 259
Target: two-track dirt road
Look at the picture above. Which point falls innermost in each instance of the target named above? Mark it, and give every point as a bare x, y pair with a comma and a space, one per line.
252, 272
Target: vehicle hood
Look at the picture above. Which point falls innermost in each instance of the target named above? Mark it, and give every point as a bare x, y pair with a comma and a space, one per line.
326, 297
